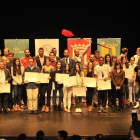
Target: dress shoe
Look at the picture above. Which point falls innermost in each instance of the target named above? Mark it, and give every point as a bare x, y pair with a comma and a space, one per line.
30, 111
120, 109
6, 111
55, 108
35, 111
60, 108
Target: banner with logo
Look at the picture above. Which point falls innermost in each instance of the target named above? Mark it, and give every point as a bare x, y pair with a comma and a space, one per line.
47, 44
79, 44
17, 46
113, 43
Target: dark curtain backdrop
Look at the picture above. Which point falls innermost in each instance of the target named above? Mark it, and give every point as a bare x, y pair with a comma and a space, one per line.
95, 19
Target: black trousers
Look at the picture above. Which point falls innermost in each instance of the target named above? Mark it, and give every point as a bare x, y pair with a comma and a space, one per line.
4, 101
102, 98
10, 99
24, 94
89, 96
43, 89
117, 94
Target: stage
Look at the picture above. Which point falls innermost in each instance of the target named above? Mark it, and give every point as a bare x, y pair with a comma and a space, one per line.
83, 124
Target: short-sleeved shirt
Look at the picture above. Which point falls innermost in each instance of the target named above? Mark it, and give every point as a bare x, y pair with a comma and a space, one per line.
137, 70
102, 71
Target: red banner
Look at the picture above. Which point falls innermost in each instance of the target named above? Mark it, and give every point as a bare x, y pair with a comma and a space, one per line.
79, 44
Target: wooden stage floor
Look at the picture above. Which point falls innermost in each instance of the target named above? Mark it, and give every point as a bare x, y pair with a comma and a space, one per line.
83, 124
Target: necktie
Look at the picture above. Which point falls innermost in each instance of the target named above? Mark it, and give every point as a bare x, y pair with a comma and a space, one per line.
66, 60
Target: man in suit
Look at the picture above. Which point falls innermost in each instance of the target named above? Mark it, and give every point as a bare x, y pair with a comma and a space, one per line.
68, 60
41, 58
5, 77
10, 98
55, 52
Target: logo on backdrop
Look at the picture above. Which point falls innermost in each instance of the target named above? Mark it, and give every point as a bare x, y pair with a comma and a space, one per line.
81, 45
47, 49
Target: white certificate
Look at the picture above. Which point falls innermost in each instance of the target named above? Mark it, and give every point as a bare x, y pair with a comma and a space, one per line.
104, 85
43, 77
129, 73
79, 91
30, 76
71, 81
5, 88
89, 82
61, 78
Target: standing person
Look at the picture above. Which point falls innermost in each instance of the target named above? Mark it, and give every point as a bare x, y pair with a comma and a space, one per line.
25, 59
17, 72
32, 87
113, 60
0, 54
11, 59
79, 57
132, 66
67, 90
58, 86
68, 60
5, 77
47, 68
118, 77
124, 65
25, 62
52, 56
92, 60
6, 66
124, 53
97, 56
137, 84
6, 52
137, 56
102, 71
41, 58
89, 72
79, 79
109, 63
55, 52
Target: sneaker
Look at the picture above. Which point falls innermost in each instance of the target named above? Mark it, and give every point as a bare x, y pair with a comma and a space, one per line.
104, 110
68, 109
137, 105
77, 110
99, 110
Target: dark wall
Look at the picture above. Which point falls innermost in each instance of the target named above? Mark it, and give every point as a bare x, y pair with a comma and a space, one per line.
95, 19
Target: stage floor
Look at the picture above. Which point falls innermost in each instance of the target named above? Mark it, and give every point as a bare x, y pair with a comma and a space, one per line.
84, 124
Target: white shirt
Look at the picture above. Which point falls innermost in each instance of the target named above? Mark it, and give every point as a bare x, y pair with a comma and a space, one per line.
2, 76
41, 60
102, 71
136, 58
131, 67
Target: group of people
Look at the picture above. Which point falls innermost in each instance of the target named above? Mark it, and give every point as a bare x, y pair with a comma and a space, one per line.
12, 70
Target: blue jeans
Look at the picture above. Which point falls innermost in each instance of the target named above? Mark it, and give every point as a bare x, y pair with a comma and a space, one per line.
60, 95
17, 94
